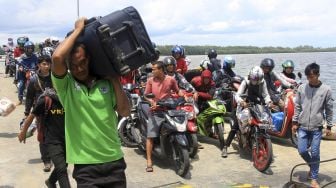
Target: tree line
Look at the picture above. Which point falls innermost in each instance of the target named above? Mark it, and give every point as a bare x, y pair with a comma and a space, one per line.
201, 50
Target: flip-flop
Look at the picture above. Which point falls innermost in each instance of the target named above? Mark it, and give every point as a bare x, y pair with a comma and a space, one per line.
149, 169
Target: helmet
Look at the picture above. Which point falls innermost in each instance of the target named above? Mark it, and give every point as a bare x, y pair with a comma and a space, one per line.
205, 64
10, 41
157, 52
267, 62
169, 60
47, 51
228, 62
212, 53
177, 50
54, 40
27, 45
256, 75
288, 63
21, 41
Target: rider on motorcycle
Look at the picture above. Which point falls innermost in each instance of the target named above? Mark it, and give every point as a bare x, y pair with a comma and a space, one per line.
38, 83
181, 65
255, 87
270, 77
28, 61
215, 64
205, 87
228, 64
287, 73
161, 86
170, 68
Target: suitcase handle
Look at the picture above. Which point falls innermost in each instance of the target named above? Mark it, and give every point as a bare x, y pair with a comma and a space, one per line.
107, 38
128, 27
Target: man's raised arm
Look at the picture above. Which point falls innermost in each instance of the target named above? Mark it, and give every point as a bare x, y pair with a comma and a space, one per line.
59, 67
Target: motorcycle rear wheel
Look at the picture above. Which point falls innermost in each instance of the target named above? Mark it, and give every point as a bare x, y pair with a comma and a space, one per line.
262, 157
181, 160
125, 134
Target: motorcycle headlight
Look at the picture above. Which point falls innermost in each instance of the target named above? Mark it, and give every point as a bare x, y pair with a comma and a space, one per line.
190, 115
190, 100
265, 118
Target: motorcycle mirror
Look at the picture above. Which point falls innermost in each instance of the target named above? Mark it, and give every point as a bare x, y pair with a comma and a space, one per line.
299, 75
189, 89
150, 96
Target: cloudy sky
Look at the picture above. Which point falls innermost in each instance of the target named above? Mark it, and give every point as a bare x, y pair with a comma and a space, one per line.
287, 23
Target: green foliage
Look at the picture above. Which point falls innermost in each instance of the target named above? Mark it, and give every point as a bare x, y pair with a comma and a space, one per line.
2, 52
201, 50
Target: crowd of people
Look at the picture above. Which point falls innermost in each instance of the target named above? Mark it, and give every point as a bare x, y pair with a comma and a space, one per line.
56, 79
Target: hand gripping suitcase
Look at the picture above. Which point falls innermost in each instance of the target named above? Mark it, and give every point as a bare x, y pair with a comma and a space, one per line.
117, 43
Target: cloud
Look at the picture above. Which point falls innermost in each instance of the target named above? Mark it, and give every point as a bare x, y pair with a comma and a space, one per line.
216, 22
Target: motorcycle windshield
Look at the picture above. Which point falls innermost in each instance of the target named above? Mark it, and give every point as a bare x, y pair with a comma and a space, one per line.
260, 113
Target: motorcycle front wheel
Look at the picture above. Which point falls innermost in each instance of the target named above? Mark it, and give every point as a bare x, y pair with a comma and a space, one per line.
125, 133
181, 160
262, 153
193, 144
220, 132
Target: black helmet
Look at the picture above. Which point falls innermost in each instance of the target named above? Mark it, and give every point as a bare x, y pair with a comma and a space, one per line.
157, 52
212, 53
267, 62
169, 60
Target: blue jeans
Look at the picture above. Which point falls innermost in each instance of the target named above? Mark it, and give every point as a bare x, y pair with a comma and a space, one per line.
21, 88
310, 139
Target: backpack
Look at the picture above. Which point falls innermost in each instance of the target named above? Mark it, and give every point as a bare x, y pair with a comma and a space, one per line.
41, 119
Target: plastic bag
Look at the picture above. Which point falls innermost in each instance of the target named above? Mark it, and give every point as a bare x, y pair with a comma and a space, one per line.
6, 106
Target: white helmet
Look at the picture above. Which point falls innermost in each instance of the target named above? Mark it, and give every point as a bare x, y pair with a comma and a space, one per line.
205, 64
256, 75
54, 40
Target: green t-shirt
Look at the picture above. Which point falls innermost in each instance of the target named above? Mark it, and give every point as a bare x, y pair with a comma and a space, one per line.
90, 121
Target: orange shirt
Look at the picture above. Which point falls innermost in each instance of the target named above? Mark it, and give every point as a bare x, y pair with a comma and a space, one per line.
161, 89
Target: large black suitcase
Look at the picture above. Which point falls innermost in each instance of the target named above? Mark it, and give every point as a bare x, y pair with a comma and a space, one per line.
117, 43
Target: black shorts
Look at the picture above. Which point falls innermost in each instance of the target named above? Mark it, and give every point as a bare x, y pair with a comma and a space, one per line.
110, 174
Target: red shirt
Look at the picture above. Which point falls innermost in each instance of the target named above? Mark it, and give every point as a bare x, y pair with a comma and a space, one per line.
161, 89
201, 88
181, 64
129, 78
18, 52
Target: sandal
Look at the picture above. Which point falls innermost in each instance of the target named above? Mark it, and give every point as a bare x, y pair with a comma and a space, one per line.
149, 169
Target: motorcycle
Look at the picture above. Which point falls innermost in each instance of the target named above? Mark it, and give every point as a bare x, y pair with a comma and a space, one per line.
172, 142
252, 136
211, 121
191, 110
283, 120
125, 123
10, 64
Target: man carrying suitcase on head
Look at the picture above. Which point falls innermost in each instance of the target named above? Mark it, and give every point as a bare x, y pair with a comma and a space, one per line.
92, 142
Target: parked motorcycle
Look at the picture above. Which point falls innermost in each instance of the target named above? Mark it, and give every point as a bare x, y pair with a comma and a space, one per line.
191, 110
211, 120
172, 142
252, 135
283, 120
10, 64
125, 123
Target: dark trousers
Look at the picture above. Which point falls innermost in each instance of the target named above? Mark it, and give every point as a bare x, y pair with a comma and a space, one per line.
60, 174
103, 175
44, 153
